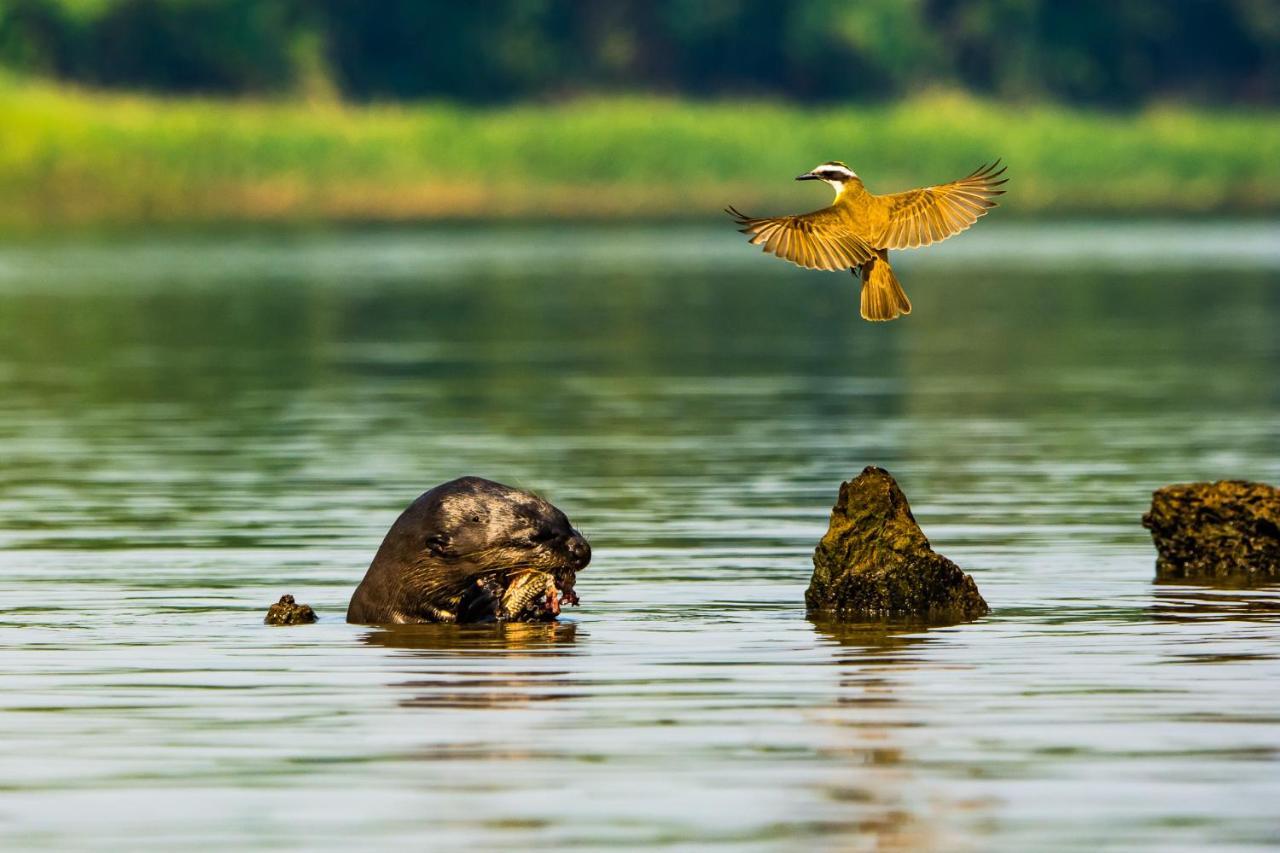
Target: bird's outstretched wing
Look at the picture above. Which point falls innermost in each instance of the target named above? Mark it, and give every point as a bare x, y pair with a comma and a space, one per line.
818, 241
924, 216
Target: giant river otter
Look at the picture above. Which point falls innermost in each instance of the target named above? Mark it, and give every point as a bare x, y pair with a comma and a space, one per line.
472, 550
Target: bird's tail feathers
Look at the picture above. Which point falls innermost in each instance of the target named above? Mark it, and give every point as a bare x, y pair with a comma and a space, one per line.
882, 295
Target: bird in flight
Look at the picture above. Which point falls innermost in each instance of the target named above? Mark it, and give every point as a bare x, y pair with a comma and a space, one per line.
859, 228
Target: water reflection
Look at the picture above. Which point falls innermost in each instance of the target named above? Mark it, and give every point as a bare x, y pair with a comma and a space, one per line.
506, 640
1178, 602
493, 690
876, 643
878, 782
186, 430
503, 682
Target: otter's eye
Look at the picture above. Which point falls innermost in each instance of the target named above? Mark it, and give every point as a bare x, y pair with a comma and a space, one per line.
541, 535
476, 519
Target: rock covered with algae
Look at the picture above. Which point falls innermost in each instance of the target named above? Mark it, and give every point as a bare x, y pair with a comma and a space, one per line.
1223, 532
286, 611
874, 563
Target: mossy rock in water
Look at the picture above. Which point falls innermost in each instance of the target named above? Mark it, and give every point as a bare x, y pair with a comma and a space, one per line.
1226, 532
286, 611
875, 563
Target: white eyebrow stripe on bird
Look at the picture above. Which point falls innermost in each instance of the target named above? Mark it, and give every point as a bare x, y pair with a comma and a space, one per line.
833, 167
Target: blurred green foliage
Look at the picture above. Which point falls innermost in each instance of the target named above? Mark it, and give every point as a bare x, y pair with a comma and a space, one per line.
68, 156
1091, 51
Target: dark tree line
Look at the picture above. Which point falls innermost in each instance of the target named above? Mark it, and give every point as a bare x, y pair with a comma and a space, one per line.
1091, 51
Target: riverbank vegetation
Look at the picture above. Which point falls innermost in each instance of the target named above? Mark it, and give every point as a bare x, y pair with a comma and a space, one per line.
72, 156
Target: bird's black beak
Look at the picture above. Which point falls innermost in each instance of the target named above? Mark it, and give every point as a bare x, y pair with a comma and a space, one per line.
807, 176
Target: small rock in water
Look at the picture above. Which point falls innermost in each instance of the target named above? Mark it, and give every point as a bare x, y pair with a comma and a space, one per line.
1224, 532
286, 611
875, 563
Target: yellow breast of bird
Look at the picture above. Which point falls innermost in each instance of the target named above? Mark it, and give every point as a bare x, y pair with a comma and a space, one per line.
865, 216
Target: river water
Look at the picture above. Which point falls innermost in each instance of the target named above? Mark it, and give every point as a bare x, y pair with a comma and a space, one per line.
195, 424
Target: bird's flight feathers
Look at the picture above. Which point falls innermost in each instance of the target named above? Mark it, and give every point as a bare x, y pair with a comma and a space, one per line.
924, 216
820, 240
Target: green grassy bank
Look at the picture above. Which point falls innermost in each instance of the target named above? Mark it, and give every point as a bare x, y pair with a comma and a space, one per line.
81, 158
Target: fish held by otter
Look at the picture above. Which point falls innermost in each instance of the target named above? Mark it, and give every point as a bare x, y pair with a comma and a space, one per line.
472, 550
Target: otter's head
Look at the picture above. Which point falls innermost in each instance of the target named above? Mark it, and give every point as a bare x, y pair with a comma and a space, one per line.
495, 526
473, 550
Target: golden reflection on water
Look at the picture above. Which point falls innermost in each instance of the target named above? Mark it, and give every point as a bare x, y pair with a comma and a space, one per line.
878, 780
508, 637
1178, 602
502, 683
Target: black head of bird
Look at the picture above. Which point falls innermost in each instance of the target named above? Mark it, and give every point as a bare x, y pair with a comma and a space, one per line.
857, 230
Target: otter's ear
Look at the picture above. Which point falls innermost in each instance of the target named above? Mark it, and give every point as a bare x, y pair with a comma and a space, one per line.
437, 544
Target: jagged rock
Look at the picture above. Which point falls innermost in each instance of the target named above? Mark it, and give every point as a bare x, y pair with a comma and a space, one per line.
1223, 532
286, 611
875, 563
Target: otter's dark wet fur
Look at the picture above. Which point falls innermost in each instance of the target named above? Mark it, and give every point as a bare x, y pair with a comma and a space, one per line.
453, 553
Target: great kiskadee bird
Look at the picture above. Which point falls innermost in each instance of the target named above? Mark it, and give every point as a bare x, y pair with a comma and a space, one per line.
859, 228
